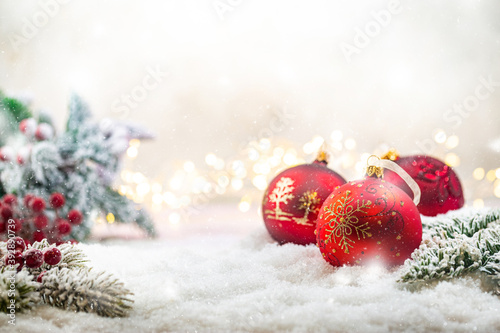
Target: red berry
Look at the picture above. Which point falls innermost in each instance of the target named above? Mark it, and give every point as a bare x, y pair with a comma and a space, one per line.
10, 199
37, 204
28, 126
27, 199
40, 277
33, 258
44, 132
6, 212
63, 227
38, 236
16, 244
52, 256
13, 258
75, 217
41, 221
2, 227
57, 200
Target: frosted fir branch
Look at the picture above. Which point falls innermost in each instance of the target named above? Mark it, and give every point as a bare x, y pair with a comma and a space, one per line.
456, 246
125, 211
85, 290
18, 286
468, 225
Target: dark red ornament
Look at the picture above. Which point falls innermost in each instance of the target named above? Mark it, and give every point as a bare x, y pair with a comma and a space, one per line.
366, 221
439, 184
292, 200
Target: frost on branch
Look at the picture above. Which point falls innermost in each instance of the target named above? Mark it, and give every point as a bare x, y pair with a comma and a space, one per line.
84, 290
456, 245
24, 290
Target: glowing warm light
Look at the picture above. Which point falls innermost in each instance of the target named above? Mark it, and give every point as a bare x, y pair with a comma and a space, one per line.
350, 144
100, 220
157, 198
244, 206
308, 148
478, 203
138, 178
440, 136
478, 173
122, 190
236, 184
260, 182
132, 152
497, 173
134, 143
452, 142
452, 159
142, 189
290, 157
491, 175
253, 154
496, 191
210, 159
336, 135
110, 218
317, 142
189, 166
264, 144
223, 181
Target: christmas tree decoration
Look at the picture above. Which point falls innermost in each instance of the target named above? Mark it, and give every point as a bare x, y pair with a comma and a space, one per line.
369, 221
80, 164
439, 184
292, 200
59, 276
455, 245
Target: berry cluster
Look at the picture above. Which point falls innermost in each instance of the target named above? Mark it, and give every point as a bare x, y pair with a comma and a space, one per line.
33, 220
20, 254
32, 131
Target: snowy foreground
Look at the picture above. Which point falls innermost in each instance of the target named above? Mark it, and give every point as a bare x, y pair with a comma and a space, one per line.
229, 282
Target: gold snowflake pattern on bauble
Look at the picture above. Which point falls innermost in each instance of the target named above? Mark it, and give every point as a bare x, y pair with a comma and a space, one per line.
309, 202
343, 222
281, 194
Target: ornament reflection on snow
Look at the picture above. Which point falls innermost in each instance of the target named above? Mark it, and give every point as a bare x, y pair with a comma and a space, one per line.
439, 184
370, 220
292, 200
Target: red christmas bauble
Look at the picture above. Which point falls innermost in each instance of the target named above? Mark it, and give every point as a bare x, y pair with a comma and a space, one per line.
366, 221
293, 198
439, 184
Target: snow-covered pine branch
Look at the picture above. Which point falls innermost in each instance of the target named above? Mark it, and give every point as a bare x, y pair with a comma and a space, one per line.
455, 244
85, 290
24, 292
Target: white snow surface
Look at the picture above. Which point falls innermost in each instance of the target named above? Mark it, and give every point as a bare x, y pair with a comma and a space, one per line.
226, 282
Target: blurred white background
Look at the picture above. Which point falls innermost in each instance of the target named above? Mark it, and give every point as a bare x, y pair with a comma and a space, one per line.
227, 67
